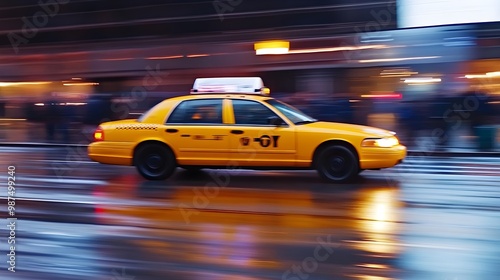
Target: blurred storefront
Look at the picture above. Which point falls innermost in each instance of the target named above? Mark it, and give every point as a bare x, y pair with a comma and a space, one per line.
367, 78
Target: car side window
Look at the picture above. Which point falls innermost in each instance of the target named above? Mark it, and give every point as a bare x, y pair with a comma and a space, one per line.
248, 112
199, 111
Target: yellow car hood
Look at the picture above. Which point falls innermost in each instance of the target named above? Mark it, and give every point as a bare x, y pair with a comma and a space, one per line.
353, 129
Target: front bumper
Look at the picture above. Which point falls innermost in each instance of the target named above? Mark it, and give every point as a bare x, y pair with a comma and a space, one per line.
376, 158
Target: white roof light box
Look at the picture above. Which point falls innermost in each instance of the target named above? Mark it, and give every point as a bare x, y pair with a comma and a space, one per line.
245, 85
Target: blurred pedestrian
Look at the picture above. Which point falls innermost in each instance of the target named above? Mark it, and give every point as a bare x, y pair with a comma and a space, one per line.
51, 116
341, 109
409, 119
57, 118
442, 118
66, 115
2, 106
481, 119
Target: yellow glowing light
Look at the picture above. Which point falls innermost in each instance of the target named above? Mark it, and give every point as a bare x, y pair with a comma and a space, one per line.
476, 76
265, 91
387, 142
8, 84
493, 74
395, 75
337, 49
374, 266
98, 135
389, 73
421, 80
383, 95
283, 47
81, 84
197, 55
272, 47
378, 221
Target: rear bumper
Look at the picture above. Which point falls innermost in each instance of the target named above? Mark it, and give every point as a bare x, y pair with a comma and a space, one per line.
117, 153
376, 158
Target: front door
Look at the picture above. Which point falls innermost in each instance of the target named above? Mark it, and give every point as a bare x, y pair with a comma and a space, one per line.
256, 142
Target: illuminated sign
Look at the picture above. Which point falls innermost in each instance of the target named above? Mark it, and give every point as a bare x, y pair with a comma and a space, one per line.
272, 47
420, 13
246, 85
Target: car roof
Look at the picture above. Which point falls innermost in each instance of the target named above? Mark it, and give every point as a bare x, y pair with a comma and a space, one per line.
257, 97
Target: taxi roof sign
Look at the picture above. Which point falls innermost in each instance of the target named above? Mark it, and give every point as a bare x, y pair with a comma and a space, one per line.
245, 85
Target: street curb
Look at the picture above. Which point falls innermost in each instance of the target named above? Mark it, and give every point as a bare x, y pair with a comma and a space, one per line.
410, 152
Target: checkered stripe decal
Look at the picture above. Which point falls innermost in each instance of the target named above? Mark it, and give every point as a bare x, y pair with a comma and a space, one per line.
137, 127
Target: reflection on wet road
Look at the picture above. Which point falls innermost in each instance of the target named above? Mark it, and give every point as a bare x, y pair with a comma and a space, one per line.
431, 218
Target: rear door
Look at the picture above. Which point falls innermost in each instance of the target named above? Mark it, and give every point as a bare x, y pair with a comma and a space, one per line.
197, 133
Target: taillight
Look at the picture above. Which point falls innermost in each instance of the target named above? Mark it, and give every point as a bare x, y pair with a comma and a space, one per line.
99, 134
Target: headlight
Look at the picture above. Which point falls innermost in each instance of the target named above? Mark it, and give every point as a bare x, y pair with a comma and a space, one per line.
386, 142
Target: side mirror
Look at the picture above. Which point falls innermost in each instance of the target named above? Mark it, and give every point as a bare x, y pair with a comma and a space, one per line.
276, 121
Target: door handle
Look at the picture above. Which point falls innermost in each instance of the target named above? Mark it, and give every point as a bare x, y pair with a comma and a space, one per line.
237, 131
172, 130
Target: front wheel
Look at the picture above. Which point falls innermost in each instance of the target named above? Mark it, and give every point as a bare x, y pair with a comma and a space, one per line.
155, 161
337, 164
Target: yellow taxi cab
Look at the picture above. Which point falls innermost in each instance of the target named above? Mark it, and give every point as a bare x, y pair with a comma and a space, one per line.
234, 123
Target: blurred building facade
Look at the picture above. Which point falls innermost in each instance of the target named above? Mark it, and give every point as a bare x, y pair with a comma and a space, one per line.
349, 53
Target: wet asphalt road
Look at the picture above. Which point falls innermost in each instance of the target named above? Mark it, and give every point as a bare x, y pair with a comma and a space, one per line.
430, 218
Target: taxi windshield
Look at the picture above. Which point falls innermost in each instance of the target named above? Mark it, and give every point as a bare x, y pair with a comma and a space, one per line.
293, 114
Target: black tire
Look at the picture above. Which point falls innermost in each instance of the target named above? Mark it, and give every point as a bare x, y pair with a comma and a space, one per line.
337, 164
155, 161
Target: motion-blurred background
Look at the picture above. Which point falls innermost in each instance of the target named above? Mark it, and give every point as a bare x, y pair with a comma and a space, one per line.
425, 69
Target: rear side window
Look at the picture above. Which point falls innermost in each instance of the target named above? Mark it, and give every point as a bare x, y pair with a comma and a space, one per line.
200, 111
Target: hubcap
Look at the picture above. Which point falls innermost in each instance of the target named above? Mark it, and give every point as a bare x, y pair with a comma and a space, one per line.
154, 162
337, 164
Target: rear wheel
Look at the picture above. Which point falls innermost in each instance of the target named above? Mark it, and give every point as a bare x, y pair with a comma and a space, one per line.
337, 164
155, 161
